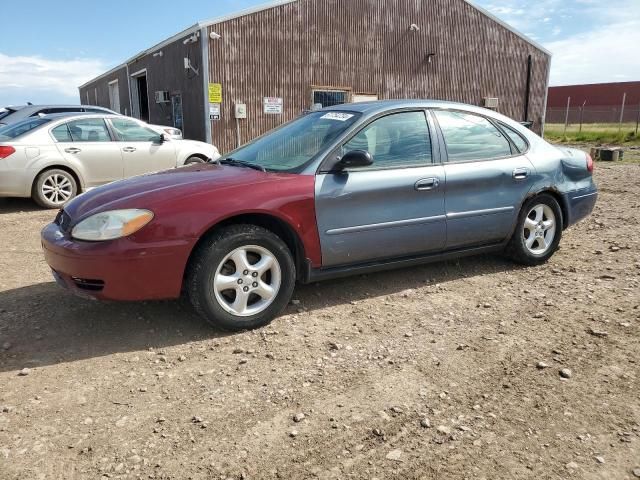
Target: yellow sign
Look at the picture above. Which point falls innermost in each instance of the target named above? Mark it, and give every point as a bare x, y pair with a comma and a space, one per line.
215, 93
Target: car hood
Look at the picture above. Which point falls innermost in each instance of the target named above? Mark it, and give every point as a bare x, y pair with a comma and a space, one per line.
147, 190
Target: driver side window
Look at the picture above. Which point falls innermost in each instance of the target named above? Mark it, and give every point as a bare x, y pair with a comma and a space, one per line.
395, 141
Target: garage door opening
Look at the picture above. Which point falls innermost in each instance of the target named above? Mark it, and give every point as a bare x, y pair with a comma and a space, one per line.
140, 95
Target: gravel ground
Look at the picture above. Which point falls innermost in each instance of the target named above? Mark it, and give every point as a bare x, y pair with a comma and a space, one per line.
448, 371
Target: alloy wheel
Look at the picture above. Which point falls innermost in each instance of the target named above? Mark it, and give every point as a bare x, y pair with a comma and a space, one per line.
539, 229
57, 189
247, 281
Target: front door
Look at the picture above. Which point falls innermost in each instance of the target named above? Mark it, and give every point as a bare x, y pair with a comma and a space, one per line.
487, 180
87, 144
393, 208
142, 151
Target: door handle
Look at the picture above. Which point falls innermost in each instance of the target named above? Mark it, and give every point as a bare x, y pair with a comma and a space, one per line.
129, 149
72, 150
520, 173
427, 184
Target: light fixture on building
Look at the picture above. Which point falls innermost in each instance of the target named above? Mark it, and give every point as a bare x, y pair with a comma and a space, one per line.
215, 36
430, 57
414, 28
159, 54
192, 39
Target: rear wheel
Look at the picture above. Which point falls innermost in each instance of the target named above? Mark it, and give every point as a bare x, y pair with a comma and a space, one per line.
53, 188
241, 277
538, 233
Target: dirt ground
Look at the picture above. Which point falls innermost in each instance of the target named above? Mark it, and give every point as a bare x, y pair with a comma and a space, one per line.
447, 371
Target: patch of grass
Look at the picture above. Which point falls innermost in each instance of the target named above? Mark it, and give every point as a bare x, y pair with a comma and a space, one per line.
598, 134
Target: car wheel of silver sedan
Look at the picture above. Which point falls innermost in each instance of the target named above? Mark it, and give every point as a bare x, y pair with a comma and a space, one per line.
539, 231
241, 277
53, 188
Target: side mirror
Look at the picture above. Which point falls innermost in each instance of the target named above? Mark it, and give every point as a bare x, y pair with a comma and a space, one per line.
355, 159
164, 137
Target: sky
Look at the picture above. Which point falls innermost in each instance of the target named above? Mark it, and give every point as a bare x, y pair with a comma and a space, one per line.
48, 49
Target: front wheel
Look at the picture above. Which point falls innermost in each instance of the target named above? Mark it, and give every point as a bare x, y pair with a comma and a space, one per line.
538, 232
241, 277
193, 160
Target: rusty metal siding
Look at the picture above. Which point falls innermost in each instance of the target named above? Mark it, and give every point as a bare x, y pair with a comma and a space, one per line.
366, 46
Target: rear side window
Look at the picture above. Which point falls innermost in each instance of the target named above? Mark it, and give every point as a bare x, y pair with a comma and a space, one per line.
517, 139
471, 137
61, 133
89, 130
397, 140
130, 131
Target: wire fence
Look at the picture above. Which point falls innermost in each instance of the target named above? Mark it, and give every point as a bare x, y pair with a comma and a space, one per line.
588, 115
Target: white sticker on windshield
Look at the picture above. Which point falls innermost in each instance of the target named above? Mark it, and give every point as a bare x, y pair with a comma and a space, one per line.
341, 117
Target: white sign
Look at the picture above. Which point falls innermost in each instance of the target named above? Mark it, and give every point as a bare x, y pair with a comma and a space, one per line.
341, 117
273, 105
214, 111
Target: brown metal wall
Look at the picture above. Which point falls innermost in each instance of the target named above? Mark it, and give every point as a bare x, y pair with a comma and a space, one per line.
367, 46
166, 73
103, 91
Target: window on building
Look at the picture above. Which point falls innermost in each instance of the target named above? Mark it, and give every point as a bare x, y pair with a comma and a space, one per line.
395, 141
471, 137
89, 130
130, 131
330, 98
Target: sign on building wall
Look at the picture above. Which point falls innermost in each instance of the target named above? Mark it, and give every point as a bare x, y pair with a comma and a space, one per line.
273, 105
215, 93
214, 111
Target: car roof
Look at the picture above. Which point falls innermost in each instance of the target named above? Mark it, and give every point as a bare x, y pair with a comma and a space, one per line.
384, 105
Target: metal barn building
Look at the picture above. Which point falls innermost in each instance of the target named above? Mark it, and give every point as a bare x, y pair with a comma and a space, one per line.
231, 79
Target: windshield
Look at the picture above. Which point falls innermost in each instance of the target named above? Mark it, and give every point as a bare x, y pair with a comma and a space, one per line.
293, 145
10, 132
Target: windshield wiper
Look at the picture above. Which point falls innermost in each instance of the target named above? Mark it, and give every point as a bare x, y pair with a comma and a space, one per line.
241, 163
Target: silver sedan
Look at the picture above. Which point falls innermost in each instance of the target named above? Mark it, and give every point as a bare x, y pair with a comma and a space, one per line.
54, 158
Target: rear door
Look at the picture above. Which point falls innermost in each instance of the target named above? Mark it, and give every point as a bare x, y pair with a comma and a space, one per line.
487, 179
87, 143
391, 209
141, 148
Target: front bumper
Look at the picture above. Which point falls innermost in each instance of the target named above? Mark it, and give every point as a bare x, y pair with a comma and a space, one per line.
116, 270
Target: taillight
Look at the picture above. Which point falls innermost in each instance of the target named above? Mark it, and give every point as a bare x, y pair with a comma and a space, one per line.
6, 150
590, 164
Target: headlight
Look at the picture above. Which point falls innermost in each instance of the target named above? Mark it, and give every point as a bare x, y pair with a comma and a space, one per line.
111, 225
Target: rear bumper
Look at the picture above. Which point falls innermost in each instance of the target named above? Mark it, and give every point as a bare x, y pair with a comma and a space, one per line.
116, 270
15, 182
580, 204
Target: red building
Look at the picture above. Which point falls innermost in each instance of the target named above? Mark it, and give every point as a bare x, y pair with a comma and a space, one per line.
600, 103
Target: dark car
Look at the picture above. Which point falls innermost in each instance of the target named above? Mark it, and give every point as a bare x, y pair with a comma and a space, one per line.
11, 115
351, 189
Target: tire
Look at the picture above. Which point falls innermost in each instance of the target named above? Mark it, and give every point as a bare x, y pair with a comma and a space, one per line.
538, 233
214, 266
193, 160
53, 188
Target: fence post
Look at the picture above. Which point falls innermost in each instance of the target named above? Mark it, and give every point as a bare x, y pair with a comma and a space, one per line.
624, 101
581, 113
566, 117
638, 120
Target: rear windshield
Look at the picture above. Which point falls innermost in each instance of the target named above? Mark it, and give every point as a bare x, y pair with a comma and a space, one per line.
4, 112
11, 132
